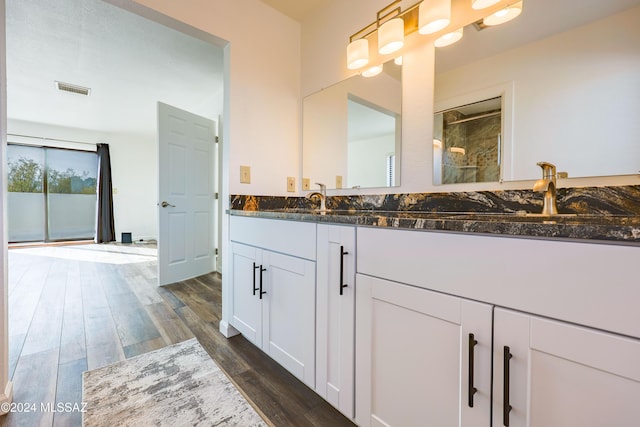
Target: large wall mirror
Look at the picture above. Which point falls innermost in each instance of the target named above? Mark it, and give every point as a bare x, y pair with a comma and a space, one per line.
562, 82
352, 132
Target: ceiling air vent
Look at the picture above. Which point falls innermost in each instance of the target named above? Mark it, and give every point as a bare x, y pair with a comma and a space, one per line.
68, 87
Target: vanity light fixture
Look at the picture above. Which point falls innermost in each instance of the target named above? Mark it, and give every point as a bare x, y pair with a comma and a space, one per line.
392, 24
483, 4
504, 15
398, 60
449, 38
433, 16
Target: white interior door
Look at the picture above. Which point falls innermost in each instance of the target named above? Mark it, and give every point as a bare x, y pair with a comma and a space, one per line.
186, 195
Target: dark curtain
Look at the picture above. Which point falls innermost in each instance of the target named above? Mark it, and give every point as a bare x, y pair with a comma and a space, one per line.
105, 231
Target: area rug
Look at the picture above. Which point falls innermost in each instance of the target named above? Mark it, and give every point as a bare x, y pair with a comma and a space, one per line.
174, 386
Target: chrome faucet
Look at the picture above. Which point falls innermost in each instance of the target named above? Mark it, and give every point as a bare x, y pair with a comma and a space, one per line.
322, 195
547, 185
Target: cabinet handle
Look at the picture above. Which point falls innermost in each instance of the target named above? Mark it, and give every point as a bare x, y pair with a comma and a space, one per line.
342, 254
506, 407
472, 389
255, 267
261, 291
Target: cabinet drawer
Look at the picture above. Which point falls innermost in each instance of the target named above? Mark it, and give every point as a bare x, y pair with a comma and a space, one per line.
287, 237
590, 284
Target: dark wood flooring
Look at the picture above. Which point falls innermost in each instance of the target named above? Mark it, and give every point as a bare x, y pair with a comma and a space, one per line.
69, 314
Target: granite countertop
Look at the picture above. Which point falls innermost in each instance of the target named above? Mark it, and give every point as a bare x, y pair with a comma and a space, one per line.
615, 229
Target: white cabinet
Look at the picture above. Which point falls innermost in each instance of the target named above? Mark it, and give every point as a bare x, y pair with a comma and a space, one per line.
558, 374
335, 327
273, 296
421, 294
420, 356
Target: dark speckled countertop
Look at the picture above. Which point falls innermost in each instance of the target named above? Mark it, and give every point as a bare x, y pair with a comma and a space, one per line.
598, 214
604, 228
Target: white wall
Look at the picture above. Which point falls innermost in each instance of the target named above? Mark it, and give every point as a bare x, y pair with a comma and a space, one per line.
368, 160
6, 388
576, 96
134, 166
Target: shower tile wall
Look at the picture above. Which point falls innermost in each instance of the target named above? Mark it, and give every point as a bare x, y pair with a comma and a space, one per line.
480, 140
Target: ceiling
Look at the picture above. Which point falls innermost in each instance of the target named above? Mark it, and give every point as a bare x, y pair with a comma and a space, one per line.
296, 9
129, 63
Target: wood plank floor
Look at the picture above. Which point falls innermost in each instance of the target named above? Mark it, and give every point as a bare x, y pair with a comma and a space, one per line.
82, 307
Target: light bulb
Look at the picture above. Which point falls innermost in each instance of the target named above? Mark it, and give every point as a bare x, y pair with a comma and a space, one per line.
433, 15
449, 39
483, 4
372, 71
357, 54
391, 36
504, 15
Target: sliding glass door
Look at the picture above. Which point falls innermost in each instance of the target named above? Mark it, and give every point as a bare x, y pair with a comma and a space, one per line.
52, 194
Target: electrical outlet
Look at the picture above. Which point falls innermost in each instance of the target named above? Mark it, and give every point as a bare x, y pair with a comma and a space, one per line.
291, 184
306, 184
245, 175
338, 181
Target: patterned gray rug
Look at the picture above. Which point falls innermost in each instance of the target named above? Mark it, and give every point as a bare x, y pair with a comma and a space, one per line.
174, 386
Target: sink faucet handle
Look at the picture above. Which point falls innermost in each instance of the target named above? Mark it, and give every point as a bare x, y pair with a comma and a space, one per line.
548, 170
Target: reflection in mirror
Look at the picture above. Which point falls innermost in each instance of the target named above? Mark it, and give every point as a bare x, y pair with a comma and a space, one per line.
351, 132
466, 144
373, 133
574, 66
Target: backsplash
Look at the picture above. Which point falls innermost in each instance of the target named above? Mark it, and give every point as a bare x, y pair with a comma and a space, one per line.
622, 200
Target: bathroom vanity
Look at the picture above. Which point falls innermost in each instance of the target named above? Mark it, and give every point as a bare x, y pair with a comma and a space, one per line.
448, 319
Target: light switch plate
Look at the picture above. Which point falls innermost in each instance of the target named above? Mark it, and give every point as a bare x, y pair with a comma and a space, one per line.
245, 175
338, 181
306, 184
291, 184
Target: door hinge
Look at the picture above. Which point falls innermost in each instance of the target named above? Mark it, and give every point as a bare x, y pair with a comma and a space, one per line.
217, 139
216, 196
216, 251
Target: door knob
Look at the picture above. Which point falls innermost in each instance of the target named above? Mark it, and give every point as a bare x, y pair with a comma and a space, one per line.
164, 204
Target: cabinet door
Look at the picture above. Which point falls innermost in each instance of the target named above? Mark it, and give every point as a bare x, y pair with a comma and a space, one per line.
288, 313
246, 304
413, 355
563, 375
335, 328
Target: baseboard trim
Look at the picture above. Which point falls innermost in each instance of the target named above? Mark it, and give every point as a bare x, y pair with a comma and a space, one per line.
5, 398
227, 330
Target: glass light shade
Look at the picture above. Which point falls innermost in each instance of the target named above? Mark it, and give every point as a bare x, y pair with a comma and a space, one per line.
373, 71
483, 4
433, 15
357, 54
448, 39
398, 60
391, 36
504, 15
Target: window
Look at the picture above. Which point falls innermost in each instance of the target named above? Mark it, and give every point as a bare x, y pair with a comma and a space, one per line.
52, 193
